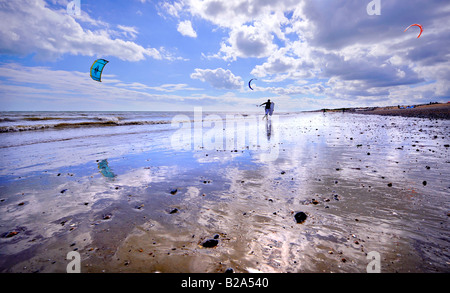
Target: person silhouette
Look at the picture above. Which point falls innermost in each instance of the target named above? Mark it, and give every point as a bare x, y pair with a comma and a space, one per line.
267, 108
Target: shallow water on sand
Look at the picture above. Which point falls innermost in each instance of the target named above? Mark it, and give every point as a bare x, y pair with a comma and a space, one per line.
366, 183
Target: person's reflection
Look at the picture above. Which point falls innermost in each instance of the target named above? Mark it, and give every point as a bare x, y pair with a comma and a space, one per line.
268, 128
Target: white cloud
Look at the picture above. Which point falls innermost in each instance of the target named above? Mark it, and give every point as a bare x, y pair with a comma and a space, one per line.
128, 31
248, 41
28, 27
173, 9
161, 88
235, 13
185, 28
218, 78
252, 24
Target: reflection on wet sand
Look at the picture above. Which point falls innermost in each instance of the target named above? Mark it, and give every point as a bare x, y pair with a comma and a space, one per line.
353, 176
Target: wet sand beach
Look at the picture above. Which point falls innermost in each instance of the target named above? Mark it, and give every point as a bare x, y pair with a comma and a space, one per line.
133, 201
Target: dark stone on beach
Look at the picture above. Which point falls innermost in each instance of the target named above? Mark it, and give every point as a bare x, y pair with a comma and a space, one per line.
389, 184
64, 190
300, 217
173, 211
447, 145
283, 172
424, 183
216, 236
428, 167
229, 271
10, 234
210, 243
173, 191
314, 201
107, 216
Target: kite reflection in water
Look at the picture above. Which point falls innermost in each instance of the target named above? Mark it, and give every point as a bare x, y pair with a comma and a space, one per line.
105, 170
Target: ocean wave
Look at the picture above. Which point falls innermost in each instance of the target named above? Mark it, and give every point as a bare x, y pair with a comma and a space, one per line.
105, 123
113, 119
49, 118
2, 119
41, 118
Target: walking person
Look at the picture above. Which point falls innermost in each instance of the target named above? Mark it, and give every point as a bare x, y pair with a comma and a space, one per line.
268, 108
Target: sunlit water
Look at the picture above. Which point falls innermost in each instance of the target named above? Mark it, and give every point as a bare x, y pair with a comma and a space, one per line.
366, 183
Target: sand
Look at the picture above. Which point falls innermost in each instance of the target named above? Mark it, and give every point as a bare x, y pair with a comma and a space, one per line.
366, 183
434, 111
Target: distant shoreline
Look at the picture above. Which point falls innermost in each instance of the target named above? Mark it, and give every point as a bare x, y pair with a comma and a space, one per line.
432, 111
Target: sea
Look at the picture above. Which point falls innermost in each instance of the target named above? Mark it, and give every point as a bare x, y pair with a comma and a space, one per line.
36, 140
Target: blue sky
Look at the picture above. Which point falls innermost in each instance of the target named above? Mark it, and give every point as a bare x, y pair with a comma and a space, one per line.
176, 55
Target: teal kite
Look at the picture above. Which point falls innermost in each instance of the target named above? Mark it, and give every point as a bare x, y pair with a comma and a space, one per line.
97, 68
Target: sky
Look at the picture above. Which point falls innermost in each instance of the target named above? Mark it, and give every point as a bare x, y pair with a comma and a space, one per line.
180, 54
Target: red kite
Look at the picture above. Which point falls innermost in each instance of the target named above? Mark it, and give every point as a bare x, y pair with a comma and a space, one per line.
421, 29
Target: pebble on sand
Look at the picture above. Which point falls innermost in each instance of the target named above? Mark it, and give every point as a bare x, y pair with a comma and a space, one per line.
210, 243
107, 216
11, 234
173, 191
300, 217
